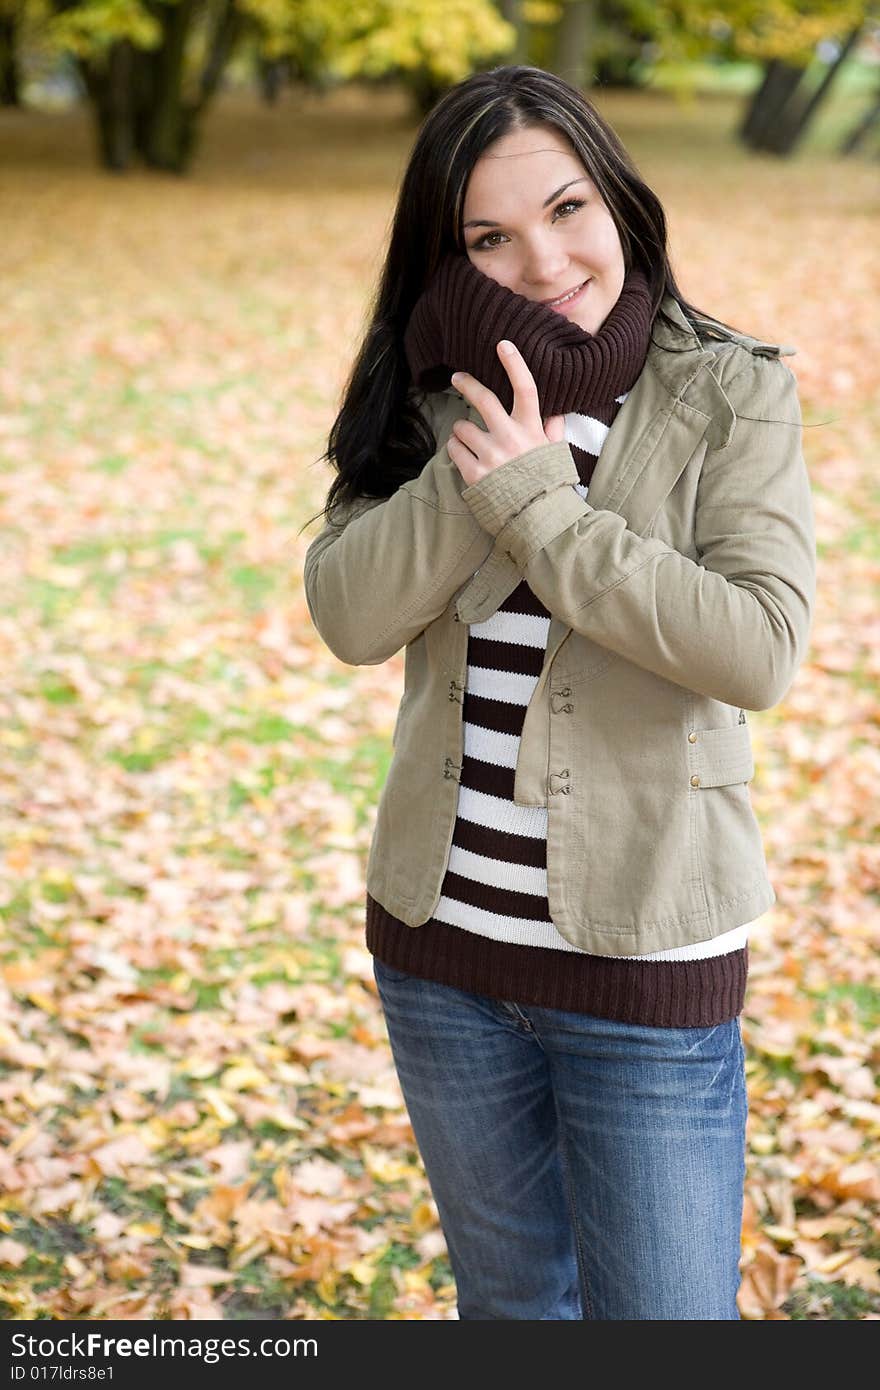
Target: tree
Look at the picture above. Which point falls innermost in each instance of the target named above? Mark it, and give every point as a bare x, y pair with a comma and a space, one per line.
786, 37
12, 19
426, 45
152, 67
514, 14
859, 134
803, 104
573, 42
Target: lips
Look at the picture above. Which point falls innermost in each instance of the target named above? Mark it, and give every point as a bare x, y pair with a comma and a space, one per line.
557, 297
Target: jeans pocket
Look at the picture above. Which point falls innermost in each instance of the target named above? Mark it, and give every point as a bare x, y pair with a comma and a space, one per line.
389, 974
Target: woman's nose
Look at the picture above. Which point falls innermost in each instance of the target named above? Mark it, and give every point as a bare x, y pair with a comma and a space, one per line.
544, 268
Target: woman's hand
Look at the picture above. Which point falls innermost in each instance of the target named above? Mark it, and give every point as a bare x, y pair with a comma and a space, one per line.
475, 451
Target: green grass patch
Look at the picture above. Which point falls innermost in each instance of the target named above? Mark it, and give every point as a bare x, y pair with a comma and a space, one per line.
49, 1241
266, 728
50, 603
830, 1302
140, 1037
255, 584
112, 464
261, 1295
865, 999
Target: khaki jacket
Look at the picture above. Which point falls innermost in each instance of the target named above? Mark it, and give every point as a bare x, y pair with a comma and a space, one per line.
681, 595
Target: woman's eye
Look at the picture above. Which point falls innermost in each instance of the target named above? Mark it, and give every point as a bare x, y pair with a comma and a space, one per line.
483, 243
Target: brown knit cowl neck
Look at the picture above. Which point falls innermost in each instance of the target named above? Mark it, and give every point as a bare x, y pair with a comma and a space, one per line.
462, 314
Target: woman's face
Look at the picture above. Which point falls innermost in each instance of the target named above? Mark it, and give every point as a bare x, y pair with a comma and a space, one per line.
544, 229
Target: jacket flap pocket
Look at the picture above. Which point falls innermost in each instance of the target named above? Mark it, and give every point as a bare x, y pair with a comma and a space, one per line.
722, 756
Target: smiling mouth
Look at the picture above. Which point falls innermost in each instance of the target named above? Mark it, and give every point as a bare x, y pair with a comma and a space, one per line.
564, 298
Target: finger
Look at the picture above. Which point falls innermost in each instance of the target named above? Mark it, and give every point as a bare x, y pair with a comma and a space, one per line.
470, 434
469, 431
525, 390
479, 396
554, 428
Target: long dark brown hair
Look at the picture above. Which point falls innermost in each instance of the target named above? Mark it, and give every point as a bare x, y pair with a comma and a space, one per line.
379, 438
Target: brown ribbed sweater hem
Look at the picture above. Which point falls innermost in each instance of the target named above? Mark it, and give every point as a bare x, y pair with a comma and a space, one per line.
660, 994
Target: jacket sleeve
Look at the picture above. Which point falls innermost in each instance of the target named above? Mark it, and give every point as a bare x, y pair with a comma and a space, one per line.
385, 568
733, 624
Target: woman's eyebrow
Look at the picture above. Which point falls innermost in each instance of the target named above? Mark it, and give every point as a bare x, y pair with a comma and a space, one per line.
481, 221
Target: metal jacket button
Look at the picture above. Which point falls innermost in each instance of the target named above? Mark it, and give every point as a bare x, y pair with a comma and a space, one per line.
695, 781
692, 738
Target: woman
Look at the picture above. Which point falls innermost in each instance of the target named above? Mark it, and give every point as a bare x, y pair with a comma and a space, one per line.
607, 559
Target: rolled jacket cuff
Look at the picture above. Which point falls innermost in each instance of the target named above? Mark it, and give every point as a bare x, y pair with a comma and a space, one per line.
502, 494
540, 523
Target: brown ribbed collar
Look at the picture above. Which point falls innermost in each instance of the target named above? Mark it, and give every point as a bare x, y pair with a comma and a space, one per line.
462, 314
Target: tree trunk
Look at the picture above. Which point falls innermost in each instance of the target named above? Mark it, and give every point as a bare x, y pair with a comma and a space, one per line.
138, 96
773, 95
511, 10
754, 110
271, 75
800, 110
856, 137
230, 25
110, 88
168, 133
572, 43
425, 90
10, 74
143, 95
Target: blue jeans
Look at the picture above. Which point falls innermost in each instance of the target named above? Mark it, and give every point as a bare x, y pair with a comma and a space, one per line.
582, 1168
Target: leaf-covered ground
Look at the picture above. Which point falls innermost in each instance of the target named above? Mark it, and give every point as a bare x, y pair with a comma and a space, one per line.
199, 1115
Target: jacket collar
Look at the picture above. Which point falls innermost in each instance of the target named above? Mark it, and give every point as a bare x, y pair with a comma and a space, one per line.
681, 334
676, 355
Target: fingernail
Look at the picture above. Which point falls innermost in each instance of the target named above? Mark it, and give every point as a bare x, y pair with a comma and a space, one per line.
505, 346
456, 376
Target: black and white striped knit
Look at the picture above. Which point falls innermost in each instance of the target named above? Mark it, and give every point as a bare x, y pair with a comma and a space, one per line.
491, 932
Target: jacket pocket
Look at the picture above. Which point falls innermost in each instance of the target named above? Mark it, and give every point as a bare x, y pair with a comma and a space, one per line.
721, 756
731, 851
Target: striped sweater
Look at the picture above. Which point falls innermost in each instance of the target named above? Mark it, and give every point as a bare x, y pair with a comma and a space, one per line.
491, 932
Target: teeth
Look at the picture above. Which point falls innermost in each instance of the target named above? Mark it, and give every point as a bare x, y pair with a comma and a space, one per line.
566, 297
